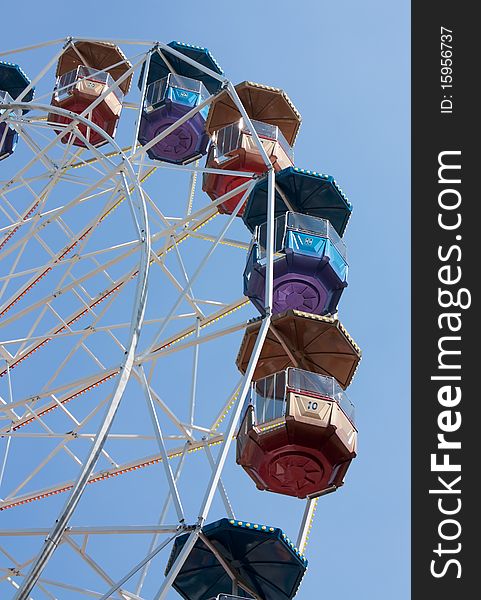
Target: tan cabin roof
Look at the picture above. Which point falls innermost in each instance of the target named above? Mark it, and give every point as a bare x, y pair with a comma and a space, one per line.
298, 339
262, 103
96, 55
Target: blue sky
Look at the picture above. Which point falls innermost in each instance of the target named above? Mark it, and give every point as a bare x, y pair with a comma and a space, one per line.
346, 67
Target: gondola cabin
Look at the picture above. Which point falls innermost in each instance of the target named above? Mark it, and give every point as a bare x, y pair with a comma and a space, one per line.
13, 83
302, 191
179, 77
310, 266
297, 435
238, 559
234, 148
166, 101
87, 73
8, 135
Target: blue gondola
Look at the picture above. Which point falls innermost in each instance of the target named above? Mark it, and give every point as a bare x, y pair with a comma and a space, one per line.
300, 191
262, 561
8, 135
13, 82
158, 67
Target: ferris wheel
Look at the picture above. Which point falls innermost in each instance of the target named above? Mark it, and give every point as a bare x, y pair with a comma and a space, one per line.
170, 344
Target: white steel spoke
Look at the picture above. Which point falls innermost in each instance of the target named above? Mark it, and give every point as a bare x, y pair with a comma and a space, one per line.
163, 451
165, 508
92, 563
220, 485
137, 567
188, 287
104, 474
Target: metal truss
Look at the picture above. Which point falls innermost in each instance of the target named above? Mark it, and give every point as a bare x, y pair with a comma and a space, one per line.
121, 311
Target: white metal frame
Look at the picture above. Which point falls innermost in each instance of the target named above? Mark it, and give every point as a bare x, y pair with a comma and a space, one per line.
129, 169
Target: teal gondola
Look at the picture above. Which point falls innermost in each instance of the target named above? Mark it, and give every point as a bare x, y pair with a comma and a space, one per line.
13, 82
262, 562
302, 191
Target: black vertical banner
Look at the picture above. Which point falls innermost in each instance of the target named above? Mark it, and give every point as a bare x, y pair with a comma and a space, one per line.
446, 265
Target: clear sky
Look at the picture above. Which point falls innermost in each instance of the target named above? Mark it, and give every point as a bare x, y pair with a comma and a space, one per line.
345, 65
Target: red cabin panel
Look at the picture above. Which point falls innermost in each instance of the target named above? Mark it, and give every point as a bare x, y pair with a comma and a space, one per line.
235, 149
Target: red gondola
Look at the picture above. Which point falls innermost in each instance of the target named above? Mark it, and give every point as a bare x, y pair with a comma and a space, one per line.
297, 436
233, 148
86, 71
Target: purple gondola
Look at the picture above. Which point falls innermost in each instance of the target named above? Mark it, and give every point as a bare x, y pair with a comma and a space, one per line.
310, 266
166, 101
174, 88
